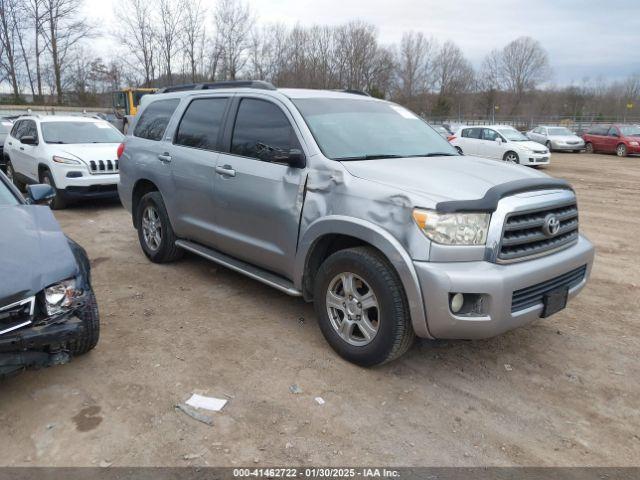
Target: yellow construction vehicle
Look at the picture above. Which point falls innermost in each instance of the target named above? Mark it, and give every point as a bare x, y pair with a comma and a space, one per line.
125, 105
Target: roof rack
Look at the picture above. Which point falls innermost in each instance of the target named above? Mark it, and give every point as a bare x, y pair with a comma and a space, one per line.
259, 84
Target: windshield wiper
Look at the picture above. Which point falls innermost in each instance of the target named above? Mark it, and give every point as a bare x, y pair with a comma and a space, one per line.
368, 157
435, 154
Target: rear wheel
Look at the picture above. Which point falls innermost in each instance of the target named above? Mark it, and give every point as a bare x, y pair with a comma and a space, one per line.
588, 148
459, 150
58, 202
511, 157
361, 306
621, 150
157, 239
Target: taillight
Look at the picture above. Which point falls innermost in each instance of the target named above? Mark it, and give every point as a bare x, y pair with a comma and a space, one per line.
451, 138
120, 150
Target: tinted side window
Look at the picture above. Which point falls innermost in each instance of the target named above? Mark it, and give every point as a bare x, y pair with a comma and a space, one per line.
29, 129
613, 132
155, 118
200, 125
16, 129
262, 131
489, 134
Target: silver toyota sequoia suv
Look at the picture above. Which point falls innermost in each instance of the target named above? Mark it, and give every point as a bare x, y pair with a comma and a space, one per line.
353, 203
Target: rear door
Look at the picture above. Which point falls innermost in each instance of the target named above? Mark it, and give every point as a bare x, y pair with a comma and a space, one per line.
258, 199
490, 148
471, 140
194, 154
610, 142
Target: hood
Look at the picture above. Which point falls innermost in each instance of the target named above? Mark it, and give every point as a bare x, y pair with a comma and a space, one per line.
441, 178
530, 144
88, 151
35, 253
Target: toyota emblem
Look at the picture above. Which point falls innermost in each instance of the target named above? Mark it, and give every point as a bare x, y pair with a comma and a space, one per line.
551, 225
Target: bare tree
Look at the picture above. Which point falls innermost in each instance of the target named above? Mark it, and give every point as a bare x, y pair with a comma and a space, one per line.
168, 32
524, 64
9, 41
233, 23
193, 34
62, 30
454, 76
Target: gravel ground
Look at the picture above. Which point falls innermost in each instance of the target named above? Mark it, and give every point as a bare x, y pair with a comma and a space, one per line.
563, 391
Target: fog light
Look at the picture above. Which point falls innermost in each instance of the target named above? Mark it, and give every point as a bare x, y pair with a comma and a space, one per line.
457, 301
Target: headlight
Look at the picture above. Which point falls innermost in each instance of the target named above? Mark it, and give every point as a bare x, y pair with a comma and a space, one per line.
60, 296
68, 161
453, 228
634, 144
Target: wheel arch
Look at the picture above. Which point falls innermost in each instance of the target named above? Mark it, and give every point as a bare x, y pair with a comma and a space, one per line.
140, 189
333, 233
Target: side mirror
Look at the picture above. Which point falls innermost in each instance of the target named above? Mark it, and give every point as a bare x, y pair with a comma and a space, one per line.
40, 194
28, 140
296, 158
499, 140
614, 134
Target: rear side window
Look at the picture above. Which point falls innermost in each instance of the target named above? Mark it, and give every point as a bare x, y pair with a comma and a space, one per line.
201, 123
262, 131
472, 132
155, 118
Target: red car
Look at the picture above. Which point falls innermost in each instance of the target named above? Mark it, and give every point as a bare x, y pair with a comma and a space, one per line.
618, 138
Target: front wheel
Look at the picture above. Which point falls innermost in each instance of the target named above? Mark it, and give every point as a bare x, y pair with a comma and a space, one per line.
91, 327
157, 239
548, 145
621, 150
11, 175
361, 306
588, 148
58, 202
511, 157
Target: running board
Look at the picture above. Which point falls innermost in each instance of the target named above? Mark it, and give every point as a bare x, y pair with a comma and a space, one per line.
239, 266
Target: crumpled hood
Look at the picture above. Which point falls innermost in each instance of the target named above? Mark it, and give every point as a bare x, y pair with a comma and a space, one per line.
88, 151
34, 254
441, 178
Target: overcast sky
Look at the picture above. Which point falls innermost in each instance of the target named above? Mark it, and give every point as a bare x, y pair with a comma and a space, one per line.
584, 38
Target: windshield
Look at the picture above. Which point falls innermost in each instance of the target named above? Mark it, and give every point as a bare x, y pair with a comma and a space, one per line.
560, 131
7, 198
630, 131
512, 135
5, 126
354, 129
80, 132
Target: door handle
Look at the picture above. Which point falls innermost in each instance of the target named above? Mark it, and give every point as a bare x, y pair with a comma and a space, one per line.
10, 143
164, 157
226, 170
21, 148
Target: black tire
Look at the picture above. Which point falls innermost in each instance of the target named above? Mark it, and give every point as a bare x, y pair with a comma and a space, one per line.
395, 334
548, 145
59, 202
91, 327
166, 251
459, 150
125, 128
577, 151
511, 154
621, 150
11, 174
588, 148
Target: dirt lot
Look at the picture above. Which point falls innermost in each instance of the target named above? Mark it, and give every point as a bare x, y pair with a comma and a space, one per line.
563, 391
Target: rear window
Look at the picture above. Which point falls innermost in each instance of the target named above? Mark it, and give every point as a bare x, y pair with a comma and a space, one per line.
201, 123
155, 118
598, 130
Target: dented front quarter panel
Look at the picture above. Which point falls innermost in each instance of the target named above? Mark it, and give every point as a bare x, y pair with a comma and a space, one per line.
337, 202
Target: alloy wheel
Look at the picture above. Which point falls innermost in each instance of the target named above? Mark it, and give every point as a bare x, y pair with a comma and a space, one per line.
511, 158
152, 227
621, 151
10, 174
353, 309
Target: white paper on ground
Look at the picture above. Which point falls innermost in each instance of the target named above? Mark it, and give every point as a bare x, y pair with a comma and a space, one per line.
208, 403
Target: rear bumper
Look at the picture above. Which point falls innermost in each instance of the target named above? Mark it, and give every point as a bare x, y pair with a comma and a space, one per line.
566, 147
497, 283
40, 346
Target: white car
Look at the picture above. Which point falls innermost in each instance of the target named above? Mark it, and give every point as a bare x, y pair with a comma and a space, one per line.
77, 156
557, 138
500, 142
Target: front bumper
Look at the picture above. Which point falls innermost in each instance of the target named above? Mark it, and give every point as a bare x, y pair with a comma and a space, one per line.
531, 158
497, 282
567, 147
39, 346
90, 192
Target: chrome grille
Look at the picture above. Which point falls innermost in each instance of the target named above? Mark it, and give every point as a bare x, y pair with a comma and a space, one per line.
103, 166
524, 234
533, 295
16, 315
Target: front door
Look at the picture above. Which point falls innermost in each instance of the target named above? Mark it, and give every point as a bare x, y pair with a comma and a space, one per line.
490, 148
258, 198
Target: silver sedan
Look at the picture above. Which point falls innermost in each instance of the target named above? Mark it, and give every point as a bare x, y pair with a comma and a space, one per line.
556, 138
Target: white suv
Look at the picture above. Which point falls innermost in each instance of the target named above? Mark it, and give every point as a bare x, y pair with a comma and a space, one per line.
77, 156
500, 142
